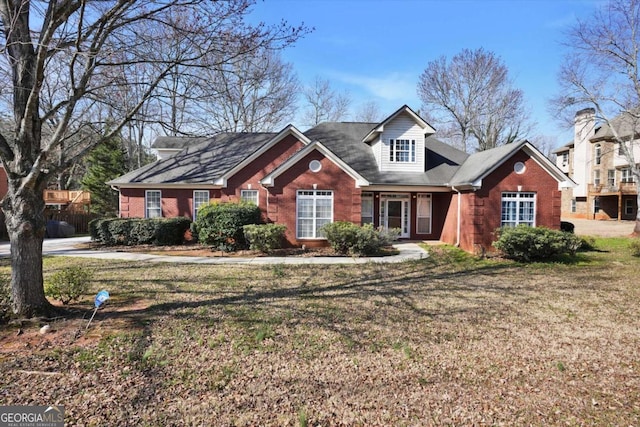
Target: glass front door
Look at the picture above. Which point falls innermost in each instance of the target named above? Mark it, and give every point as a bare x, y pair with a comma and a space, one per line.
394, 212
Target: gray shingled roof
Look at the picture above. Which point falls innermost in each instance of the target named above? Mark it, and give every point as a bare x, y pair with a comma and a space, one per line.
175, 142
624, 124
212, 158
201, 163
479, 164
345, 141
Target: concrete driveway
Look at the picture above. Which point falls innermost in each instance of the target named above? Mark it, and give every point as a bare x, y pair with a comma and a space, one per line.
602, 228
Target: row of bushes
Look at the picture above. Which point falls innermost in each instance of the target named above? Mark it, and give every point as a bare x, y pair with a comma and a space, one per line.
139, 231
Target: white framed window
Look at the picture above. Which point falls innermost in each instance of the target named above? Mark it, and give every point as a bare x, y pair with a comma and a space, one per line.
596, 177
627, 176
367, 208
249, 196
402, 150
153, 204
314, 208
518, 208
628, 207
573, 205
611, 177
565, 158
423, 214
200, 198
598, 154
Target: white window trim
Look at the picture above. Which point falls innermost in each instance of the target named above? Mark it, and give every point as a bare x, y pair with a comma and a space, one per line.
393, 150
598, 154
518, 197
146, 203
609, 183
256, 192
596, 177
315, 196
195, 208
425, 196
367, 196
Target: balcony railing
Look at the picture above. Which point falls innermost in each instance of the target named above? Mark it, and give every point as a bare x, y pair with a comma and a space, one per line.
67, 197
623, 187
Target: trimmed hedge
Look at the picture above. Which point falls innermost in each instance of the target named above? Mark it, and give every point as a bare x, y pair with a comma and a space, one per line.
348, 238
139, 231
219, 225
264, 237
526, 244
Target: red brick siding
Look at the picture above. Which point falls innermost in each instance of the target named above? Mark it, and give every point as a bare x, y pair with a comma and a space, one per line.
481, 212
282, 197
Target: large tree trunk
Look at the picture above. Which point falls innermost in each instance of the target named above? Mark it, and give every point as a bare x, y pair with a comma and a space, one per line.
24, 213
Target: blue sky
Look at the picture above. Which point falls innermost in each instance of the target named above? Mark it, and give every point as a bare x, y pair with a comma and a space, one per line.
376, 50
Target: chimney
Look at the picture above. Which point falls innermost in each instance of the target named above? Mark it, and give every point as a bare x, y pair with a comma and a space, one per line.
584, 130
584, 125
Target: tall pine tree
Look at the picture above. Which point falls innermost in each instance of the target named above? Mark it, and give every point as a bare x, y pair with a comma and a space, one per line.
105, 162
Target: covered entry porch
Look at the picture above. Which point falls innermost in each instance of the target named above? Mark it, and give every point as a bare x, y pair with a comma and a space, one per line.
418, 215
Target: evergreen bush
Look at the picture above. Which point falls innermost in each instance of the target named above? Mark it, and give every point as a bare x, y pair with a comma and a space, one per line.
139, 231
264, 237
348, 238
526, 244
219, 225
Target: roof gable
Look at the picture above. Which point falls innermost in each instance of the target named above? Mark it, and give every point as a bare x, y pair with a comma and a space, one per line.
480, 165
379, 128
270, 178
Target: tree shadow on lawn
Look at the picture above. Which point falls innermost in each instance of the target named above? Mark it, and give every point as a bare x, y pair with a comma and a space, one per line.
409, 289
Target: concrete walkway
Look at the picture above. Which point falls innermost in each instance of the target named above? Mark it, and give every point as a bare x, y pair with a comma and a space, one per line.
71, 247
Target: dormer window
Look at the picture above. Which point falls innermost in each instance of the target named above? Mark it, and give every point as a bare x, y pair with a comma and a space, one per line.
402, 150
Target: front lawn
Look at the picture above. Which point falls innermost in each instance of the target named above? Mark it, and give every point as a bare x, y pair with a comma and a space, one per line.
448, 340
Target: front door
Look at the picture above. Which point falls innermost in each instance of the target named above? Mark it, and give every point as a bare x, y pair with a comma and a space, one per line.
394, 212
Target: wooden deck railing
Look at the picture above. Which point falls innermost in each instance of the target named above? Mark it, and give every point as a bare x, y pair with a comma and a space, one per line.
66, 197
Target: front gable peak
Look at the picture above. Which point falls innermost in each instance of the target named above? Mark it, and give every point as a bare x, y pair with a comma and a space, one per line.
405, 109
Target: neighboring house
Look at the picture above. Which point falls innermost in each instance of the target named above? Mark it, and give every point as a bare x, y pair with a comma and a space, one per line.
392, 174
605, 186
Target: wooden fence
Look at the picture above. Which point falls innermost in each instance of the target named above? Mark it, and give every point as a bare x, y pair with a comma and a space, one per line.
80, 221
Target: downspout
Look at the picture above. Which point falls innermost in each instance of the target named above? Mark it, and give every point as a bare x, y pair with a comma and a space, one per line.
266, 190
459, 219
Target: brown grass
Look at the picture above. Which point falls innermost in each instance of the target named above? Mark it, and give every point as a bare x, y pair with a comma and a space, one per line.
449, 340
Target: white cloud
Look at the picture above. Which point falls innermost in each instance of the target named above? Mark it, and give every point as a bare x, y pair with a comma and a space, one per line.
390, 87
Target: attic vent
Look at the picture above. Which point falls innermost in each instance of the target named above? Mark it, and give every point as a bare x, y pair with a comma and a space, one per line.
519, 168
315, 166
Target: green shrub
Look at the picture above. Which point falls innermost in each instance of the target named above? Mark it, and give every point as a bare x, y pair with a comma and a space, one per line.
139, 231
170, 231
219, 225
348, 238
635, 247
341, 235
264, 237
68, 284
524, 243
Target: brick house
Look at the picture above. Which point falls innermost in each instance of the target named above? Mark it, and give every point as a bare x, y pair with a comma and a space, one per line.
605, 187
392, 174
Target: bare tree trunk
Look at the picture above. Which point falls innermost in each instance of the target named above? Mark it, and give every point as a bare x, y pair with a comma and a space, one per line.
25, 221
